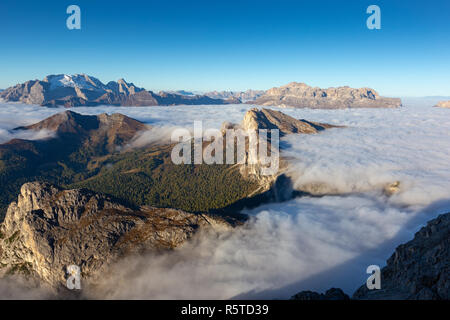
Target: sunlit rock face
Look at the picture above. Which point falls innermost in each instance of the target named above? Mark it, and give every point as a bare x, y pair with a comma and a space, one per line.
84, 90
48, 229
300, 95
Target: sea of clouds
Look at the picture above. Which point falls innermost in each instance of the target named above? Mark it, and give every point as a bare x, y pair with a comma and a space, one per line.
308, 243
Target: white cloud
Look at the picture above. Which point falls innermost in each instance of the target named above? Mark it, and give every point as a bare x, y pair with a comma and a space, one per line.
7, 135
315, 242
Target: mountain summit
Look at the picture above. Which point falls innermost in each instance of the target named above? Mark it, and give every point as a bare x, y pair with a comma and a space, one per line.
100, 131
83, 90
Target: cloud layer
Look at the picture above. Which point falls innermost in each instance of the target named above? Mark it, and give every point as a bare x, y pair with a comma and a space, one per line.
282, 244
306, 243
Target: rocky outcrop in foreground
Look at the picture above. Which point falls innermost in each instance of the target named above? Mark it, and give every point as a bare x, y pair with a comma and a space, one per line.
83, 90
443, 104
256, 119
48, 229
418, 269
300, 95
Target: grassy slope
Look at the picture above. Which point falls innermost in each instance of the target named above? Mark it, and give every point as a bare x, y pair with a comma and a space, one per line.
140, 177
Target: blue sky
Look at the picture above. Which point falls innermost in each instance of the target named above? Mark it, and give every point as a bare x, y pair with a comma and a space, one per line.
232, 45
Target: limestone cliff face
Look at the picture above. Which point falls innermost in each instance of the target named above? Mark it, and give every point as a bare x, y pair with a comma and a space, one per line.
48, 229
32, 92
244, 96
300, 95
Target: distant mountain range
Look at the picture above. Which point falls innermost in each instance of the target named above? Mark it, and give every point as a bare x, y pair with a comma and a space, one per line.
86, 152
417, 270
84, 90
300, 95
437, 97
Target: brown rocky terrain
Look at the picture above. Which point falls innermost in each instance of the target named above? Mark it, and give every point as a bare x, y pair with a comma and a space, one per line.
84, 90
330, 294
91, 151
300, 95
77, 140
48, 229
115, 125
276, 187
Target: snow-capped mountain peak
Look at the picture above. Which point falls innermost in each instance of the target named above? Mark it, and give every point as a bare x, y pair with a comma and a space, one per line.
81, 81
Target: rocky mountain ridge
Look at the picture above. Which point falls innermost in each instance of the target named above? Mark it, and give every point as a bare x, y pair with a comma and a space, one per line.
77, 139
48, 228
93, 151
300, 95
84, 90
96, 152
101, 131
243, 96
256, 119
417, 270
443, 104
